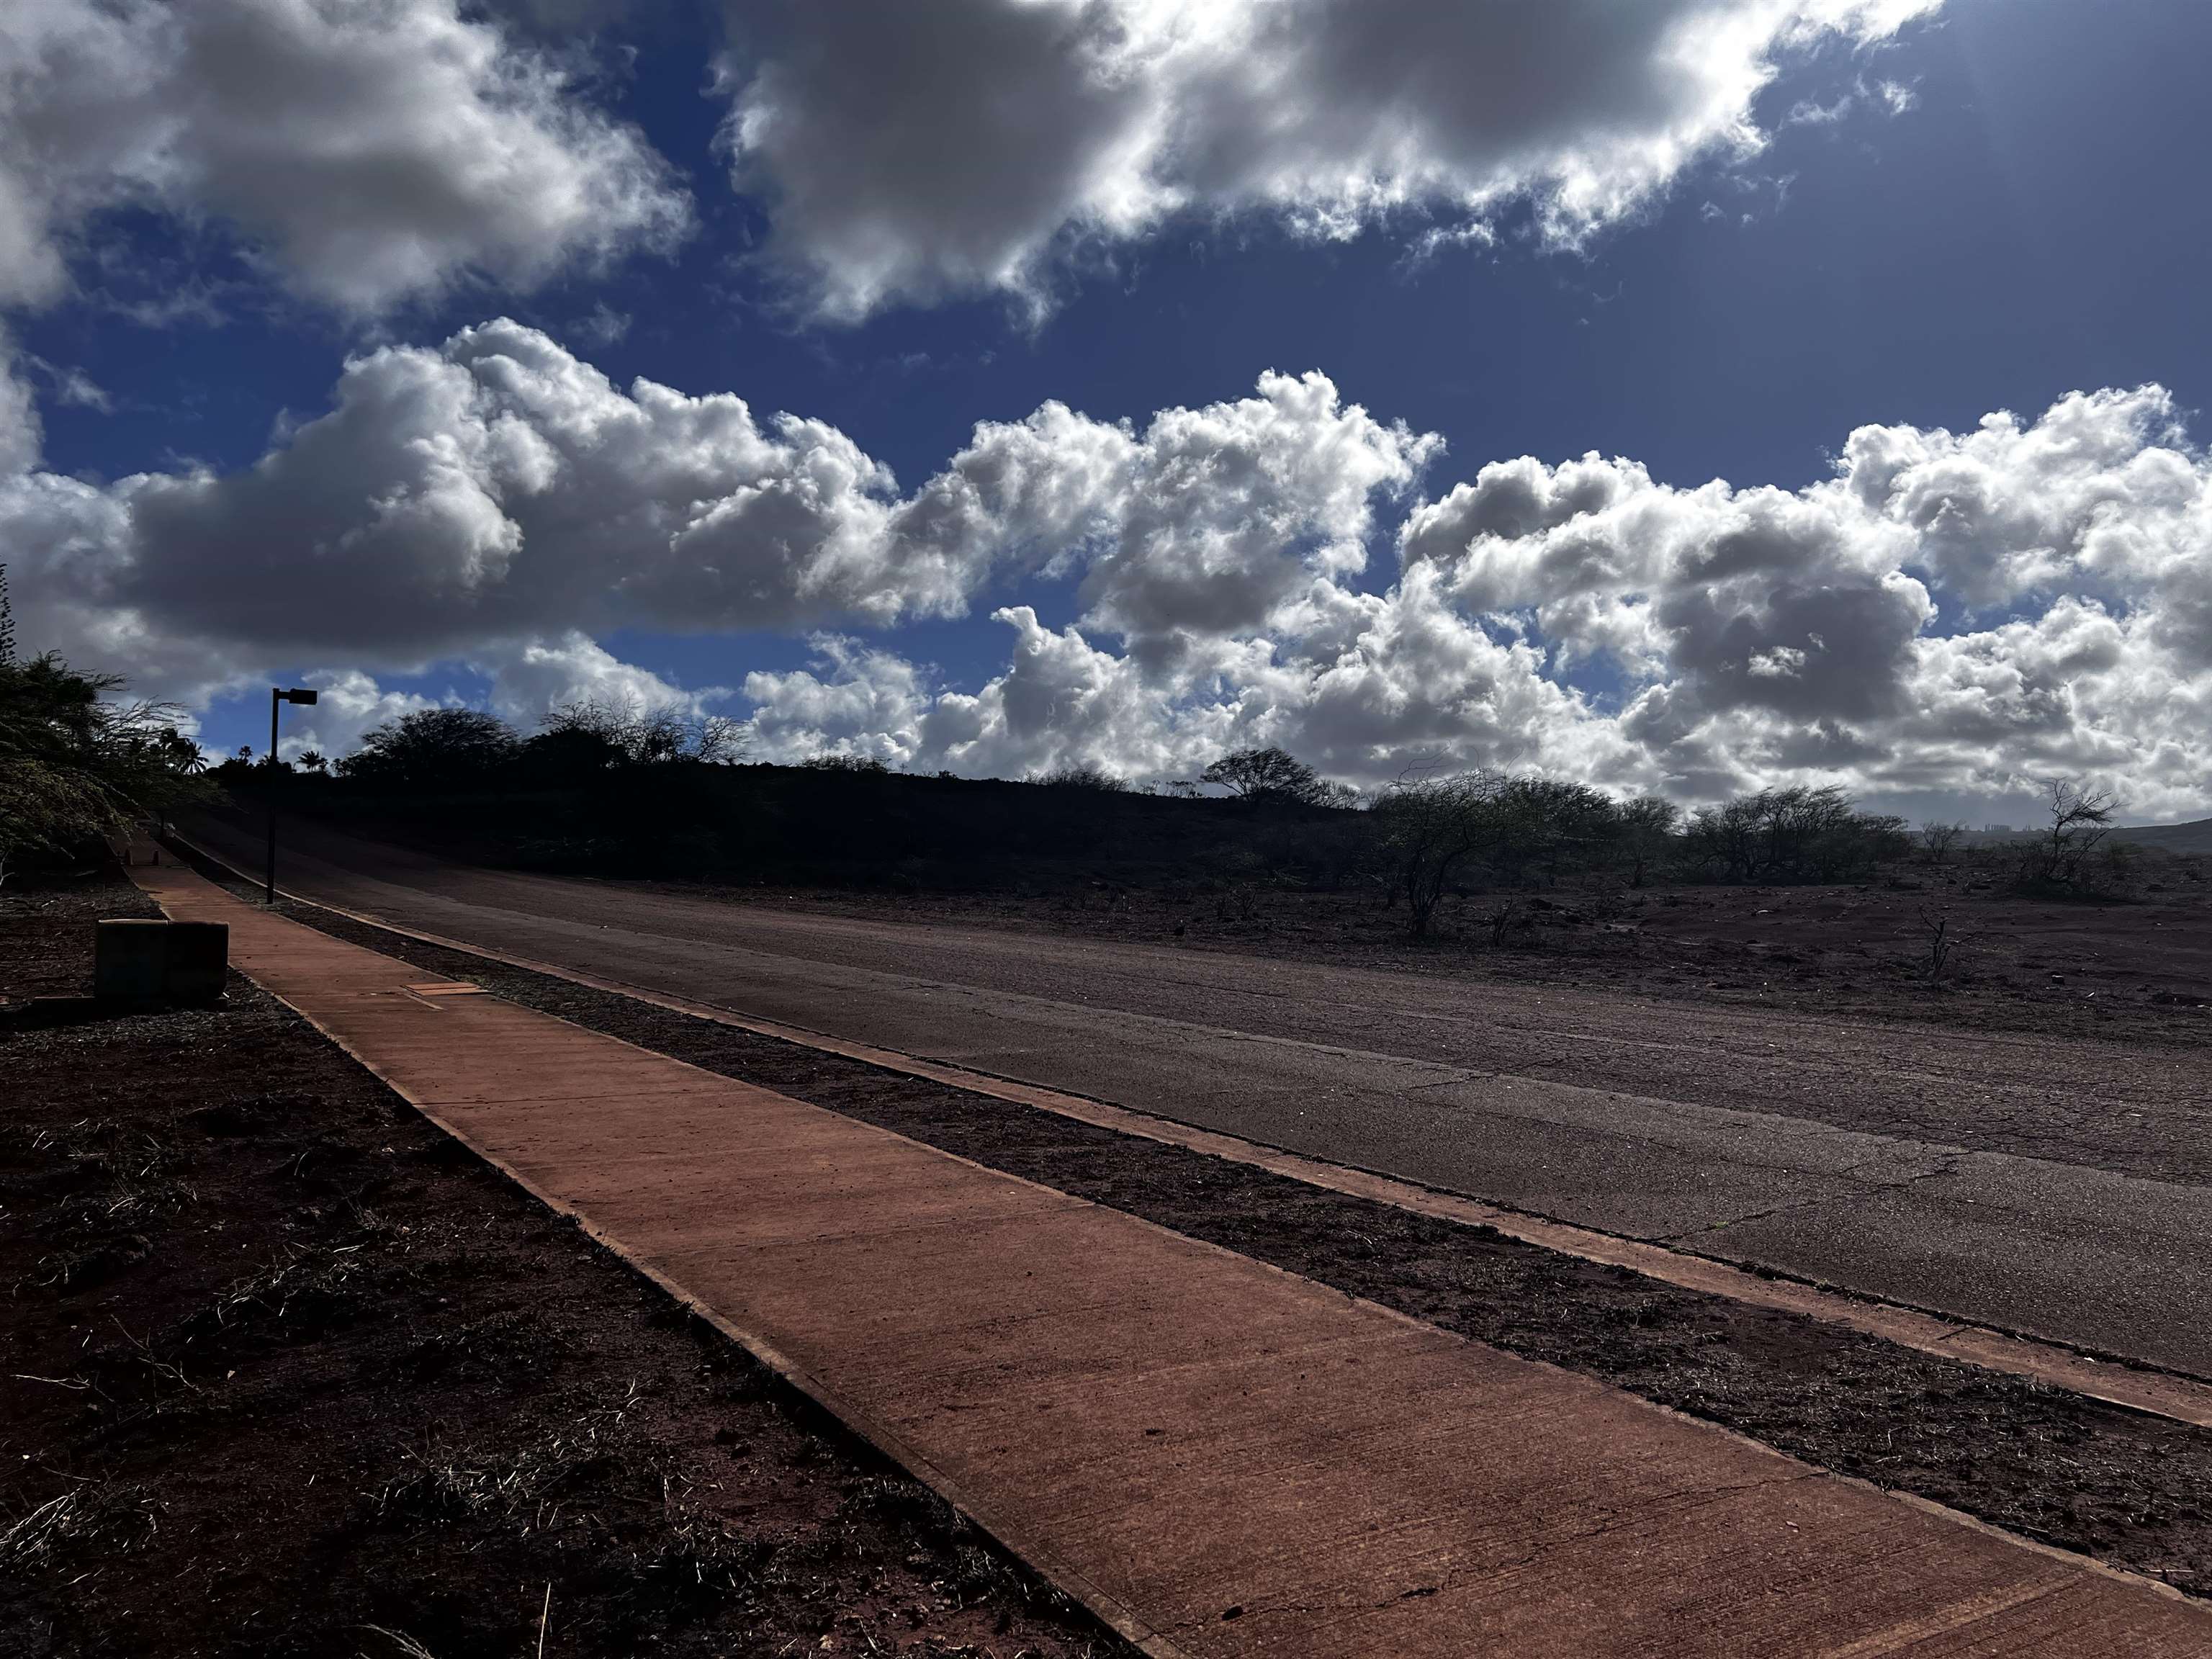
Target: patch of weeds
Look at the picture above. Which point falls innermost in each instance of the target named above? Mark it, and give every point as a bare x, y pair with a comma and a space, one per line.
893, 1506
92, 1519
134, 1367
247, 1116
408, 1646
506, 1346
117, 1184
699, 1555
526, 1483
60, 1272
307, 1291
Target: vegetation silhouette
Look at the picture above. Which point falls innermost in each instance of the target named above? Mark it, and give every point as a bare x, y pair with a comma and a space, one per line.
78, 765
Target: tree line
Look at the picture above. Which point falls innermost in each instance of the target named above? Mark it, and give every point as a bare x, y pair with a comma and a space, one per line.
1430, 832
78, 762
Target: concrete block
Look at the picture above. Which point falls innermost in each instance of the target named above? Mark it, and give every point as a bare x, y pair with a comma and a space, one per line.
146, 963
199, 962
130, 962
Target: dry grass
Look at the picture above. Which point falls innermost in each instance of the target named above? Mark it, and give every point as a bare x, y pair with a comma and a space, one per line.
309, 1283
399, 1638
112, 1185
88, 1521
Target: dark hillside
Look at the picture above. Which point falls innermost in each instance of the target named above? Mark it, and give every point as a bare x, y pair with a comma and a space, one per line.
2170, 838
809, 826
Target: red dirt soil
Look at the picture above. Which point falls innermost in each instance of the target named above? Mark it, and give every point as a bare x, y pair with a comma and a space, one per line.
286, 1371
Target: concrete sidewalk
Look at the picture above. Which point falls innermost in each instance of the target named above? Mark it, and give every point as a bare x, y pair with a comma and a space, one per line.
1220, 1457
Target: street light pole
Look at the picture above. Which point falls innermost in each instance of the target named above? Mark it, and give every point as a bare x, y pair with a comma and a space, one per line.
277, 696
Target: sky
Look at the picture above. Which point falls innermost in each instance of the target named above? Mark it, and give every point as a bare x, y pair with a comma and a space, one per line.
1689, 396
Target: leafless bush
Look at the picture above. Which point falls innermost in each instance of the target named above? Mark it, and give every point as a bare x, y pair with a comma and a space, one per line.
2060, 855
1939, 840
1237, 904
1506, 918
1942, 942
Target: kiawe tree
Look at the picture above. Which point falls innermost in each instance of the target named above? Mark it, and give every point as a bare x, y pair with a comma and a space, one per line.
1430, 825
432, 747
619, 731
1273, 773
2080, 816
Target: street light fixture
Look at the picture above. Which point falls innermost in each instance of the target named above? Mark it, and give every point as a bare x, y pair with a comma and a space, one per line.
277, 697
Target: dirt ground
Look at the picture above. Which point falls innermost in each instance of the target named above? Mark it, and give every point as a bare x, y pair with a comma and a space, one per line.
2137, 967
2131, 1489
285, 1371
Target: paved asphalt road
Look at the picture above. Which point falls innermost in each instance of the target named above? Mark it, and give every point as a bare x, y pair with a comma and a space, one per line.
2060, 1187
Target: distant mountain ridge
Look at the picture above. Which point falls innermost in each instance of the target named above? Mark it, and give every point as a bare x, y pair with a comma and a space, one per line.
2194, 838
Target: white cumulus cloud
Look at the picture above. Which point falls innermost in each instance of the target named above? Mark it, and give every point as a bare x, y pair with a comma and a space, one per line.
910, 152
496, 495
366, 150
1948, 615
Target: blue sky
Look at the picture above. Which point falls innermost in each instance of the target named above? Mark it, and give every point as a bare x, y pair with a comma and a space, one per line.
1995, 205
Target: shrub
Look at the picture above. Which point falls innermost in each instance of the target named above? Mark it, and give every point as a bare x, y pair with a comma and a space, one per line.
1430, 825
1797, 833
844, 763
433, 748
1083, 775
2063, 855
75, 765
641, 734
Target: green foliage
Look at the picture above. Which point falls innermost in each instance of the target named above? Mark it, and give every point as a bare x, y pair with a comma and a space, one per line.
1492, 828
615, 731
1797, 833
76, 764
868, 763
1513, 828
1275, 774
433, 747
1429, 825
1646, 833
1084, 775
1530, 824
442, 751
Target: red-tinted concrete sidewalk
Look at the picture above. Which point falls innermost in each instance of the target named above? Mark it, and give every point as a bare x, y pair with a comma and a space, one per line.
1220, 1457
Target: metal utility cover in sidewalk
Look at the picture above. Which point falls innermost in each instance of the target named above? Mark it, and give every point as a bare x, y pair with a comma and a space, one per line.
1221, 1457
